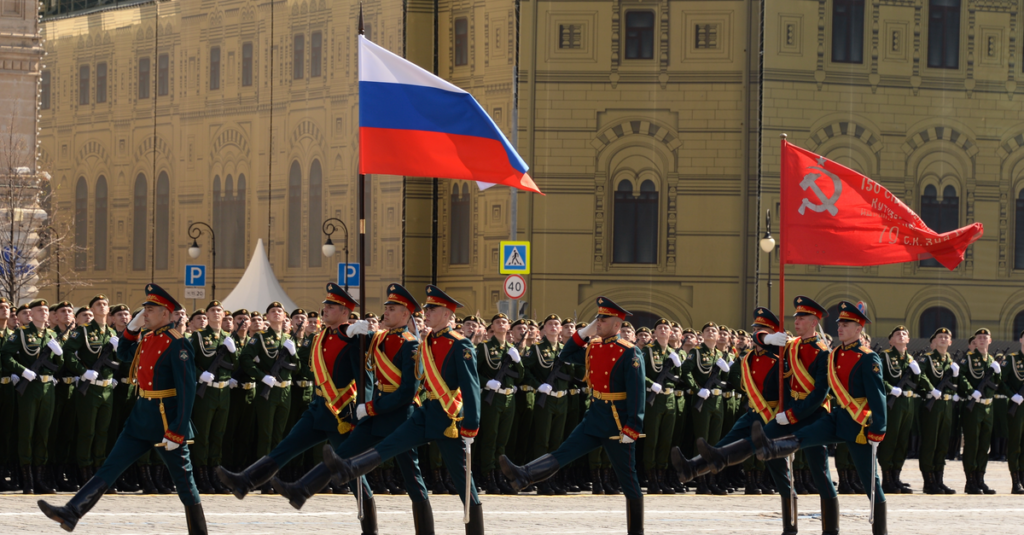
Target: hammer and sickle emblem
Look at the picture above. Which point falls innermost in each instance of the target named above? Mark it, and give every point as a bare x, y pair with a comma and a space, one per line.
811, 181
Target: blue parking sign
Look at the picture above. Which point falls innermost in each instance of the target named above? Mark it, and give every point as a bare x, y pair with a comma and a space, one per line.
195, 275
348, 274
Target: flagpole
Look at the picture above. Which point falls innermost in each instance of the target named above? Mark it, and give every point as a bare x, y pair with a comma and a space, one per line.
782, 287
361, 215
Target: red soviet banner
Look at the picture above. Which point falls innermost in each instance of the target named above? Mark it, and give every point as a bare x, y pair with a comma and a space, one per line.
833, 215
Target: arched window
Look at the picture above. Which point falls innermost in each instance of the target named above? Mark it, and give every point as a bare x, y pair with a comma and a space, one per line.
460, 225
1018, 326
81, 224
294, 215
635, 238
237, 244
100, 226
218, 221
163, 220
140, 222
1018, 236
941, 215
936, 317
830, 324
643, 319
315, 204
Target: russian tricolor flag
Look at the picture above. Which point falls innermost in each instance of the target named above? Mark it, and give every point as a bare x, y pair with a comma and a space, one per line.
413, 123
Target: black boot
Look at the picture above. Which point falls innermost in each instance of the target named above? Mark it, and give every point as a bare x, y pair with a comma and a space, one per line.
789, 517
752, 488
844, 482
768, 449
218, 486
929, 483
635, 516
66, 479
764, 482
298, 492
490, 485
1015, 479
345, 470
688, 469
146, 479
376, 483
449, 484
798, 483
128, 482
437, 483
608, 480
389, 481
595, 486
972, 486
503, 485
721, 458
253, 477
535, 471
41, 486
979, 479
158, 479
830, 516
369, 522
904, 487
715, 486
653, 487
855, 482
423, 517
84, 500
702, 485
809, 482
940, 484
476, 519
196, 520
879, 526
664, 481
203, 481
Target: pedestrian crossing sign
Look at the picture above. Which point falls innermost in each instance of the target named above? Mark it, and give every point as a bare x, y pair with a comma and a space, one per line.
515, 257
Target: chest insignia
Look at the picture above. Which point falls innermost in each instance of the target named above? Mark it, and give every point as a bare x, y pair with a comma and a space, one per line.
876, 369
636, 362
74, 334
467, 355
183, 355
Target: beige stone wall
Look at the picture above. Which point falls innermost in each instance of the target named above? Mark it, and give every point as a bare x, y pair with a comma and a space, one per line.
20, 58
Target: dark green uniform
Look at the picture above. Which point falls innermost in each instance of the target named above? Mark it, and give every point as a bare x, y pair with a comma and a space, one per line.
548, 427
495, 416
659, 418
1013, 384
35, 404
696, 370
258, 357
82, 349
64, 425
893, 450
936, 424
303, 384
8, 409
520, 441
210, 412
238, 450
977, 421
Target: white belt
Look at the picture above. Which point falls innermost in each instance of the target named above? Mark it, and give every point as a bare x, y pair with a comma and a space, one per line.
987, 401
282, 384
716, 392
575, 391
219, 384
247, 386
526, 388
946, 397
104, 383
303, 384
69, 380
45, 378
727, 395
505, 391
558, 394
5, 380
664, 391
680, 393
1000, 396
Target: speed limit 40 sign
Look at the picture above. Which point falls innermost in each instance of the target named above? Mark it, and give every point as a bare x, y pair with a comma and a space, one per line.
515, 286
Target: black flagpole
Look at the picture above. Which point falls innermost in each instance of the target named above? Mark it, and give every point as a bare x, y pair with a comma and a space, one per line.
361, 213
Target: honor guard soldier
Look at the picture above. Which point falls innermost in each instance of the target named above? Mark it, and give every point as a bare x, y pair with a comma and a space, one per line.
335, 361
551, 402
893, 451
446, 363
270, 357
215, 362
163, 367
33, 355
977, 388
122, 397
64, 425
938, 384
1012, 387
92, 356
616, 377
704, 372
7, 404
661, 364
238, 437
500, 367
392, 360
854, 374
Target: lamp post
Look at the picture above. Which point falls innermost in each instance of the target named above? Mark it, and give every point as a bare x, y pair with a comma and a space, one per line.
328, 247
194, 232
768, 245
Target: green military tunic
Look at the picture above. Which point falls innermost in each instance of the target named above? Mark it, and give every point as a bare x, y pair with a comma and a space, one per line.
239, 444
210, 411
549, 420
495, 417
36, 403
659, 418
8, 408
64, 426
303, 384
899, 420
936, 424
82, 350
977, 421
696, 371
258, 358
1013, 384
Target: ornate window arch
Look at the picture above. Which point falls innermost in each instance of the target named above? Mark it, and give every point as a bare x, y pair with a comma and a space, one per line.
934, 317
295, 215
635, 218
163, 221
81, 224
100, 225
140, 222
316, 186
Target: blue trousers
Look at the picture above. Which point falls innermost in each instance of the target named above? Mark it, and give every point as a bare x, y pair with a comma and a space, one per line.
823, 431
129, 448
361, 439
413, 434
622, 456
304, 436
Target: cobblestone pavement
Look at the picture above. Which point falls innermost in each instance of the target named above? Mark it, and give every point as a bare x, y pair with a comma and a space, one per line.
917, 513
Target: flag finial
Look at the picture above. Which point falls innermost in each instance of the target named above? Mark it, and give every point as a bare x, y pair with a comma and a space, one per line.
360, 18
783, 136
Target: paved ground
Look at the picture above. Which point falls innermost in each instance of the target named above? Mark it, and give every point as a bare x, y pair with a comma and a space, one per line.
580, 514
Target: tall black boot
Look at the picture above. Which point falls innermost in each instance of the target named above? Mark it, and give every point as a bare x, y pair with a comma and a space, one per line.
610, 484
65, 479
345, 470
702, 485
369, 522
844, 483
979, 479
653, 487
84, 500
972, 486
768, 449
1015, 481
855, 482
764, 481
490, 485
664, 480
476, 518
721, 458
879, 526
808, 482
635, 516
752, 487
830, 516
503, 485
798, 483
595, 485
128, 482
789, 517
941, 485
423, 517
203, 484
311, 483
688, 469
532, 472
158, 479
713, 486
248, 480
904, 487
146, 479
41, 486
196, 520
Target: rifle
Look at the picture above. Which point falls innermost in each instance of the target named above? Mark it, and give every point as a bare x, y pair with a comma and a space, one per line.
986, 382
504, 371
104, 360
712, 383
42, 361
1014, 406
665, 375
275, 371
947, 381
906, 381
217, 364
556, 374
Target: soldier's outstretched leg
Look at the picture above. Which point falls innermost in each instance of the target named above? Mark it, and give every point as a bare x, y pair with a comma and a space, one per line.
531, 473
250, 479
83, 500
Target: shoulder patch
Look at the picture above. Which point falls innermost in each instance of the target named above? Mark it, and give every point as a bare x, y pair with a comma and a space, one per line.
183, 355
636, 361
625, 343
252, 341
74, 334
468, 355
409, 336
12, 338
173, 333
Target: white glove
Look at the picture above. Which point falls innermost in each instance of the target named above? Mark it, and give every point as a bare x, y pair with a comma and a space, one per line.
776, 339
896, 391
229, 343
514, 353
544, 388
206, 377
90, 375
703, 393
114, 341
588, 331
15, 379
170, 446
976, 395
136, 323
675, 359
956, 369
361, 411
28, 374
55, 347
996, 367
626, 439
359, 327
656, 388
268, 380
290, 346
493, 385
468, 441
936, 393
914, 367
908, 393
723, 365
1017, 398
956, 397
113, 382
232, 383
782, 419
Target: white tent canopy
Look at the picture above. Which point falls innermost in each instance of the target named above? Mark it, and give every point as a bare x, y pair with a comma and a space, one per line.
258, 286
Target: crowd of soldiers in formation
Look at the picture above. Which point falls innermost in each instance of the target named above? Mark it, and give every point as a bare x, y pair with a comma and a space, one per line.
57, 443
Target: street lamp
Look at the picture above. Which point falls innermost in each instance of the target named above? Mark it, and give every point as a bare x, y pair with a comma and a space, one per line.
768, 245
328, 247
194, 232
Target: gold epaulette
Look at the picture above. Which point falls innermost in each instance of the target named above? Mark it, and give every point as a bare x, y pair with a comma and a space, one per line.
823, 346
456, 335
173, 333
625, 343
409, 336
